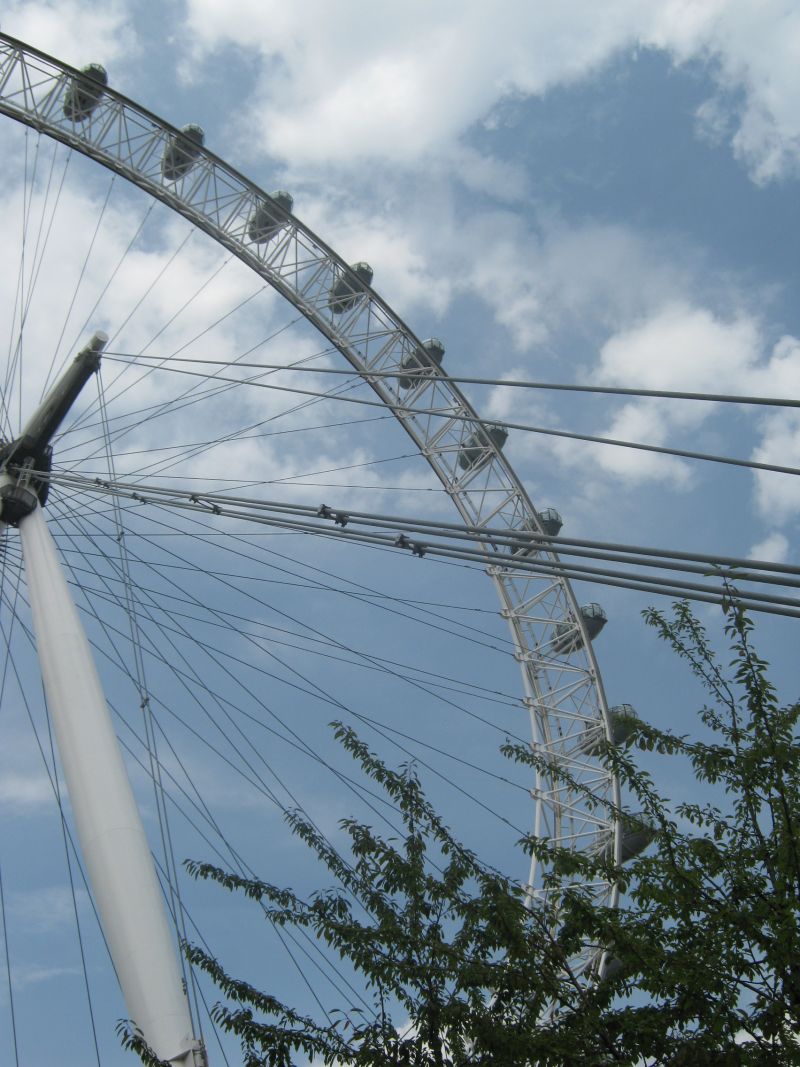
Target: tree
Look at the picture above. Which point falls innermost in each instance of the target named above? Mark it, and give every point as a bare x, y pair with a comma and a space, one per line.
706, 947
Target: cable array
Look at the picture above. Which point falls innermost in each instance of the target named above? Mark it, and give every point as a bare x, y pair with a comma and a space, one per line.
545, 431
415, 377
525, 551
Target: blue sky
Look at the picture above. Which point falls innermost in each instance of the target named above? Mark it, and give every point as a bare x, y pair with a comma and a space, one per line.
600, 194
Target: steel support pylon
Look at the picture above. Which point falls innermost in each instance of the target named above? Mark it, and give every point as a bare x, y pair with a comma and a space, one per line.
112, 838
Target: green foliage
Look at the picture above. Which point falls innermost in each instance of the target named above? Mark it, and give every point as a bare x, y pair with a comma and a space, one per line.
706, 943
132, 1039
430, 940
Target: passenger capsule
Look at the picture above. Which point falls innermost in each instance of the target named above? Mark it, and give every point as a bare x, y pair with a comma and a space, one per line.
569, 638
430, 353
266, 219
477, 449
635, 841
345, 291
605, 965
550, 522
624, 721
610, 967
181, 151
637, 833
84, 92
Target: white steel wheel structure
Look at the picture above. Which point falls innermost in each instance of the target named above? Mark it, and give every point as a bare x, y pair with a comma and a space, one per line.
95, 482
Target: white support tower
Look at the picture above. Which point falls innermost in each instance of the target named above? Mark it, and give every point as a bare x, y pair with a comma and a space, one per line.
109, 827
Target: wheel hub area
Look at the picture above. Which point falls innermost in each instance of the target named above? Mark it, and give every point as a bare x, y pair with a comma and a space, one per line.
26, 461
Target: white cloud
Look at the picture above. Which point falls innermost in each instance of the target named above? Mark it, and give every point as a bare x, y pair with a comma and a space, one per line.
165, 298
773, 549
75, 31
25, 792
360, 81
649, 422
688, 348
30, 975
684, 348
752, 50
780, 376
355, 81
778, 495
540, 281
405, 265
537, 277
47, 909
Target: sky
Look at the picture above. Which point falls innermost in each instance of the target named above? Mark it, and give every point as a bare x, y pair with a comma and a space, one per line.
602, 194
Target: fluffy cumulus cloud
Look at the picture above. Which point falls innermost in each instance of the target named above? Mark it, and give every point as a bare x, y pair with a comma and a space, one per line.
355, 85
537, 277
687, 348
778, 497
679, 347
357, 81
778, 375
365, 80
684, 348
657, 320
539, 281
71, 29
773, 549
752, 50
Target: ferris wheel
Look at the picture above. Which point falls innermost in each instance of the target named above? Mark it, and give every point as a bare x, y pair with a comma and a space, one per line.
149, 482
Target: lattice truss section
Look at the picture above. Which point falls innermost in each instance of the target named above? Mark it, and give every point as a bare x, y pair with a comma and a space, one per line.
563, 689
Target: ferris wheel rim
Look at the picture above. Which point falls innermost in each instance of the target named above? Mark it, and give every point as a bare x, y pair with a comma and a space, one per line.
492, 459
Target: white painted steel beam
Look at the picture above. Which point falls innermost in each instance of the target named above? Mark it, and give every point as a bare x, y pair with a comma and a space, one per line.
115, 850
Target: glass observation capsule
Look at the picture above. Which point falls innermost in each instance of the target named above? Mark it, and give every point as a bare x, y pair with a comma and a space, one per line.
637, 834
605, 965
430, 353
269, 216
612, 967
624, 721
345, 291
569, 639
551, 523
181, 151
84, 92
478, 448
